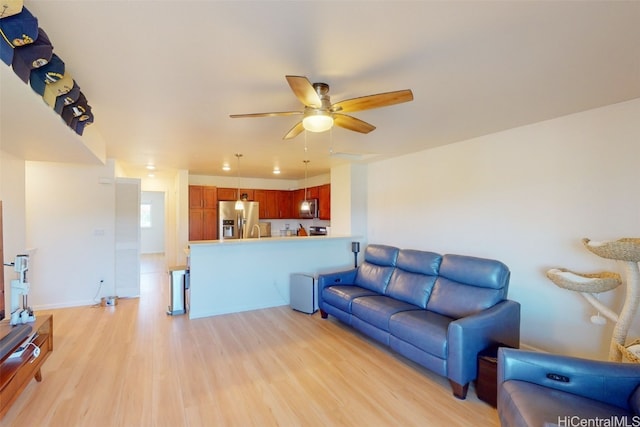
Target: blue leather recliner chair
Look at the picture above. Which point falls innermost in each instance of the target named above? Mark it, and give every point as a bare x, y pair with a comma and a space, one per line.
542, 389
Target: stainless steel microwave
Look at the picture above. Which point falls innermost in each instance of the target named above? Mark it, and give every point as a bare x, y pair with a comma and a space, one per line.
313, 209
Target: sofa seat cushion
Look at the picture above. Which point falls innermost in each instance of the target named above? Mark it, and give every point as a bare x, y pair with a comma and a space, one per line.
341, 296
376, 310
526, 404
423, 329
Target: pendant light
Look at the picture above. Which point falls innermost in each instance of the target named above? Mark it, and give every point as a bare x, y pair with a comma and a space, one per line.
305, 203
239, 204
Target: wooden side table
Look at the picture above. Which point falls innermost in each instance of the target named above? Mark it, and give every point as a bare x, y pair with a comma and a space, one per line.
487, 381
16, 373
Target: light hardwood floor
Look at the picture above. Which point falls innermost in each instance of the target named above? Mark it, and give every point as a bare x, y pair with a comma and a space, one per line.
132, 365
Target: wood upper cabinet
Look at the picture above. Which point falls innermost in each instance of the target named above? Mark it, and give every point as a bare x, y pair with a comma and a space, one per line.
227, 194
248, 194
196, 193
324, 201
267, 203
313, 192
274, 204
298, 198
285, 205
231, 194
210, 198
203, 212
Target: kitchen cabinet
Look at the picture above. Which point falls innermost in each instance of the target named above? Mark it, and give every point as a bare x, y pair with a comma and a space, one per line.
195, 196
231, 194
285, 205
247, 194
227, 194
274, 204
298, 197
210, 198
324, 201
313, 192
203, 212
267, 203
321, 192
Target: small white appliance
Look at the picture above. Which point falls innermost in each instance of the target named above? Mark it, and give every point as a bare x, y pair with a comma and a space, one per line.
303, 293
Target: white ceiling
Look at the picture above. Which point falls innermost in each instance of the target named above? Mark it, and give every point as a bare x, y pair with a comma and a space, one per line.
163, 76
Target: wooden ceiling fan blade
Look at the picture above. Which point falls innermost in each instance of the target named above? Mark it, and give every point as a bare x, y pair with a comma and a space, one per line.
273, 114
373, 101
304, 91
295, 131
351, 123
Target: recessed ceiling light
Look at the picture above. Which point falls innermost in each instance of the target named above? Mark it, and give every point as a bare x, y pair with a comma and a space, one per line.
276, 170
151, 175
151, 167
226, 167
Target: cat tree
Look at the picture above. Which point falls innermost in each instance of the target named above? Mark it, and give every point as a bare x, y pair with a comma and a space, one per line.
626, 250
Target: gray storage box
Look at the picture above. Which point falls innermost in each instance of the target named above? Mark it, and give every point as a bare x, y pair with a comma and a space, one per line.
179, 285
303, 293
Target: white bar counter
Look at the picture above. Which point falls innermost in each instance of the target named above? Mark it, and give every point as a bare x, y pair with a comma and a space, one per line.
229, 276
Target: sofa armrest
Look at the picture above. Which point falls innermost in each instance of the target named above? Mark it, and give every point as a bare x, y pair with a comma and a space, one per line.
346, 277
469, 335
609, 382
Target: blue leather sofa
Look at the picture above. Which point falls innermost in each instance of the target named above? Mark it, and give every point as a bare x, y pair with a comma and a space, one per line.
542, 389
438, 310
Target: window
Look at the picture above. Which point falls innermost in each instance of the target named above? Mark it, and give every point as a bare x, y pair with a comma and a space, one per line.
145, 215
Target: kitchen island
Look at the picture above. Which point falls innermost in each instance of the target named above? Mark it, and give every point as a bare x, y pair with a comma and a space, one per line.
229, 276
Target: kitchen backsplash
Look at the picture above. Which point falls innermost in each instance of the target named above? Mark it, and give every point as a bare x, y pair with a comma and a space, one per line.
280, 224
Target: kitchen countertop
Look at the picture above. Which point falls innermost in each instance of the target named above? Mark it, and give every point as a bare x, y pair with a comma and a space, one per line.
268, 240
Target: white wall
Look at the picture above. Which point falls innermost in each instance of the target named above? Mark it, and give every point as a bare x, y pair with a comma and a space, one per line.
70, 211
152, 238
12, 185
260, 183
526, 197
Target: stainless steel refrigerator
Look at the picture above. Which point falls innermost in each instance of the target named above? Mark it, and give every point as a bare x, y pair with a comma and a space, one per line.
238, 224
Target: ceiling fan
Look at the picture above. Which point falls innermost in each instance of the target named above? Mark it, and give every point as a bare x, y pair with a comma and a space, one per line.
320, 114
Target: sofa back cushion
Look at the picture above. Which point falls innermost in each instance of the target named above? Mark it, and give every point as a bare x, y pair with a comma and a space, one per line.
414, 276
383, 255
379, 262
468, 285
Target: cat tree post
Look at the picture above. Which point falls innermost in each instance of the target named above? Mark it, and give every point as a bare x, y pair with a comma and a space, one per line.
626, 250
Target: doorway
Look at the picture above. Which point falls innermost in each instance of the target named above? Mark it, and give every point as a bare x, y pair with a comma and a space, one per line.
152, 222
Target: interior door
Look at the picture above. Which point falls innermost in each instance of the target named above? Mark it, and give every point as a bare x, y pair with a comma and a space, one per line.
127, 238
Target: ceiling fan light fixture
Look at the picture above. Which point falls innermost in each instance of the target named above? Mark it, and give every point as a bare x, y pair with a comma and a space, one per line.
317, 121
